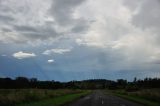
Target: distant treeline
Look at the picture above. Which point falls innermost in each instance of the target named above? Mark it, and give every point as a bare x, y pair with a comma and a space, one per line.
24, 83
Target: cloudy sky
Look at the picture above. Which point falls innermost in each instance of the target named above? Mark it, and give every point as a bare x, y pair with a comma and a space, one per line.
80, 39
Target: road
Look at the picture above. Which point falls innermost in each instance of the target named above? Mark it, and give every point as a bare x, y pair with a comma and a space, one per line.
98, 98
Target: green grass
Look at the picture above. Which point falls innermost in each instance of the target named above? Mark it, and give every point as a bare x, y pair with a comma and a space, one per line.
139, 100
12, 97
61, 100
147, 97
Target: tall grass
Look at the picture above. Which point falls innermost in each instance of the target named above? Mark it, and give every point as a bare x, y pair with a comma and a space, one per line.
149, 94
9, 97
149, 97
58, 101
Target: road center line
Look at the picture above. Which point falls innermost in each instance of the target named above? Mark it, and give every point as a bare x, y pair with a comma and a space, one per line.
102, 102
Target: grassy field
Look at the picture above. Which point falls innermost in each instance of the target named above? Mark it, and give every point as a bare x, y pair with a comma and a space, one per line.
15, 97
148, 97
61, 100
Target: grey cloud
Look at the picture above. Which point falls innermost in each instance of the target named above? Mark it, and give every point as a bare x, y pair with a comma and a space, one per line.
36, 33
148, 15
115, 28
62, 10
156, 62
6, 29
33, 28
10, 6
18, 20
5, 18
25, 28
23, 34
132, 4
81, 26
118, 45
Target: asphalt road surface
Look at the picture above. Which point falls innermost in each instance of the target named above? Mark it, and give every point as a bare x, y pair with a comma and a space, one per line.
98, 98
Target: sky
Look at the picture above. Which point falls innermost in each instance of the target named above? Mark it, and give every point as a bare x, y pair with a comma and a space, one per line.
66, 40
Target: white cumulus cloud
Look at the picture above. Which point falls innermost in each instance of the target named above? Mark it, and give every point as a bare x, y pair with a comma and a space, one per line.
50, 61
22, 55
57, 51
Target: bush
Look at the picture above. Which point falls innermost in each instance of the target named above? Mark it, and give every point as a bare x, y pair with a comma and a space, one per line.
131, 88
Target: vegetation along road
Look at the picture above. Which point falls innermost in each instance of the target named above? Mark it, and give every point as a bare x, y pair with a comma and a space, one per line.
99, 98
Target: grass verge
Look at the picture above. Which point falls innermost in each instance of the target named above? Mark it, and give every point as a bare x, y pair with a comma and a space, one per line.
12, 97
58, 101
137, 99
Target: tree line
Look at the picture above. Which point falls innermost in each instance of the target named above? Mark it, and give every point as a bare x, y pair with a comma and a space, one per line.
24, 83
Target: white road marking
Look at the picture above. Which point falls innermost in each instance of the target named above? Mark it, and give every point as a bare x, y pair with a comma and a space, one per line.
87, 97
102, 102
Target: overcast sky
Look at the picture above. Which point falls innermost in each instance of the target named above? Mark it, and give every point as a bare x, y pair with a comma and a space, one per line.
80, 39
